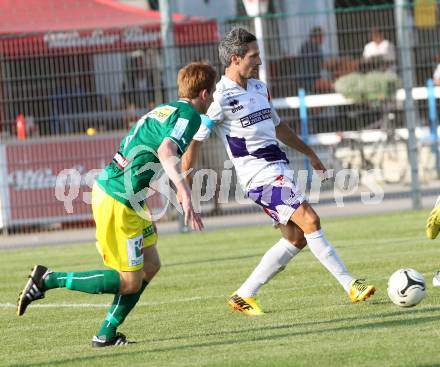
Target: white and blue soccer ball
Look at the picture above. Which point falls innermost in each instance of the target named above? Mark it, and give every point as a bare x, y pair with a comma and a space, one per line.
406, 287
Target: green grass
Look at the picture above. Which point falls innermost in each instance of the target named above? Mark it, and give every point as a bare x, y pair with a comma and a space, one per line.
183, 320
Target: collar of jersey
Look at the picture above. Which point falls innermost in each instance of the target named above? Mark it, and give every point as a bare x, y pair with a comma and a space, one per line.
188, 103
229, 82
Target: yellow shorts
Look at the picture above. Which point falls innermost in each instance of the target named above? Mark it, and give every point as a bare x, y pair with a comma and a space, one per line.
121, 233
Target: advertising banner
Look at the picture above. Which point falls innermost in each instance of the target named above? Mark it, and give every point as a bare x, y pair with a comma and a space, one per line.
29, 173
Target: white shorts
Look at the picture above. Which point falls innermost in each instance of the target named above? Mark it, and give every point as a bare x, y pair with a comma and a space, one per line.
275, 191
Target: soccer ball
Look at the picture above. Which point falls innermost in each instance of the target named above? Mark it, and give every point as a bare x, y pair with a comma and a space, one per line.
406, 287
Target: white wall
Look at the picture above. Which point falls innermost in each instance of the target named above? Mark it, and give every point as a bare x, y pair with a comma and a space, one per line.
138, 3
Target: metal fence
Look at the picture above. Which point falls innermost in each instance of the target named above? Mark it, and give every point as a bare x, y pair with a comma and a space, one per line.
67, 97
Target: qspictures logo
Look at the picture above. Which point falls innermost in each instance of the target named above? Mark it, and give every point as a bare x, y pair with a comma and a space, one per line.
346, 182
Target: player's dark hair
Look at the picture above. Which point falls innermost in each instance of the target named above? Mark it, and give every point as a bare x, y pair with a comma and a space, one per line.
235, 42
194, 78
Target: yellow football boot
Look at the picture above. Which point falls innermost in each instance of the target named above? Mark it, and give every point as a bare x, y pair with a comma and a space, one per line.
248, 306
360, 290
433, 223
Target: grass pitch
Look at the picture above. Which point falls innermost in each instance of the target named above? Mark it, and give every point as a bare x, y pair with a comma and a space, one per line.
182, 318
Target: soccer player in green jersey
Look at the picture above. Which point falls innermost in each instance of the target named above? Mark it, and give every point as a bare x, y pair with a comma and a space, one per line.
126, 238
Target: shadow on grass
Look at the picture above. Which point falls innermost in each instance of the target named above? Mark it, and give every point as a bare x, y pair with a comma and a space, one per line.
234, 340
401, 312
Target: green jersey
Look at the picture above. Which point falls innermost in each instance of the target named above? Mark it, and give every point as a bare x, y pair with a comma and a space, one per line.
137, 163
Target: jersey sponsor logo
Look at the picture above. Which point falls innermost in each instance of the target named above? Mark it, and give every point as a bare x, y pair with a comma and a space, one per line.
256, 117
120, 160
162, 113
235, 105
179, 128
258, 86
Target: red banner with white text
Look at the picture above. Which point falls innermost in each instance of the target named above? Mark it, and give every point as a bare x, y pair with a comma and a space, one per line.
31, 169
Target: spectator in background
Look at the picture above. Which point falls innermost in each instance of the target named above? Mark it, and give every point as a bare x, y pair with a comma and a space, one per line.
142, 88
380, 53
136, 82
69, 99
310, 64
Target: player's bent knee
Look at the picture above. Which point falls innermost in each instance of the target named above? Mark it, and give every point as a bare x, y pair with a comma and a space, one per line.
301, 243
130, 287
131, 282
294, 235
313, 222
297, 241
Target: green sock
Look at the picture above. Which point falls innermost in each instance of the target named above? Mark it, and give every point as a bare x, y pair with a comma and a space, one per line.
94, 281
120, 308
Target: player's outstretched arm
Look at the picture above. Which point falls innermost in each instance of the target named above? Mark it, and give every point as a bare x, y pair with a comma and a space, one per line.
189, 159
167, 153
286, 135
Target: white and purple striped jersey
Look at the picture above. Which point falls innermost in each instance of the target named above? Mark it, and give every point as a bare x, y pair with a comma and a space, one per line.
245, 120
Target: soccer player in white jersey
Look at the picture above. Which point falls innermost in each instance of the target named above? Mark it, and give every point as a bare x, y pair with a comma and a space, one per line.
243, 116
432, 230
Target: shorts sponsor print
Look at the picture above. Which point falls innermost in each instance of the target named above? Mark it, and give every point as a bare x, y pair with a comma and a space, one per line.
135, 250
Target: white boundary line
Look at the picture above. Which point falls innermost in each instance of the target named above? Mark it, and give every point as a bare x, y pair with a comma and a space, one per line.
106, 305
140, 304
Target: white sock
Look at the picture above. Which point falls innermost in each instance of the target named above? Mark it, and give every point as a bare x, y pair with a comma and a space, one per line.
273, 261
326, 254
